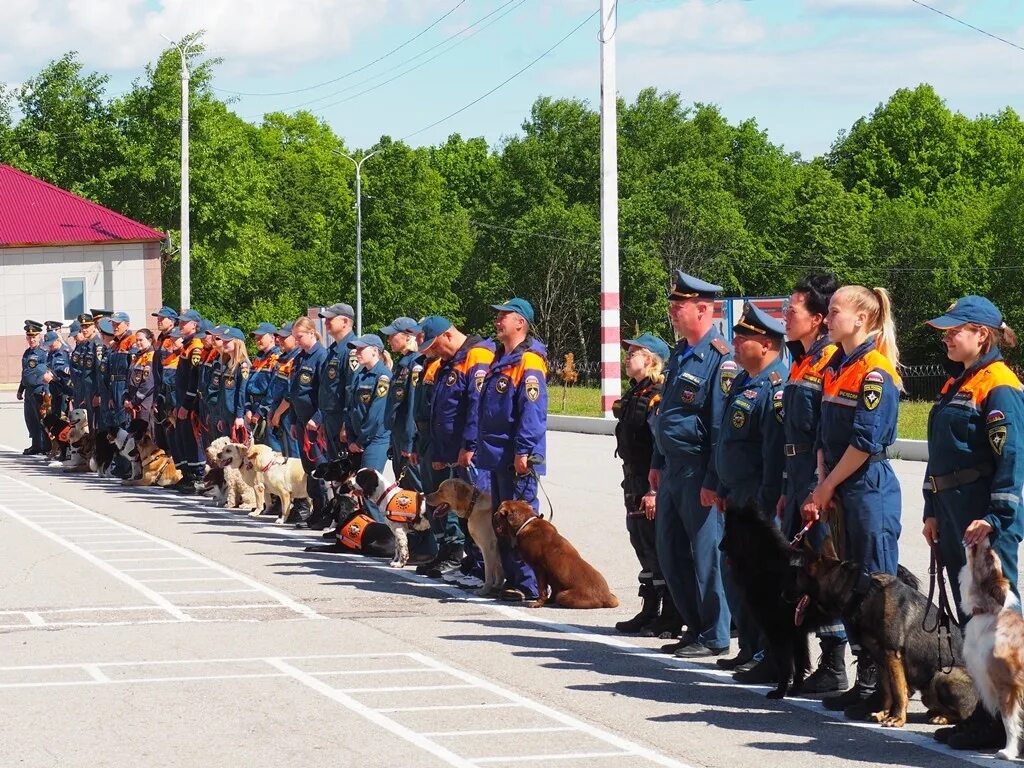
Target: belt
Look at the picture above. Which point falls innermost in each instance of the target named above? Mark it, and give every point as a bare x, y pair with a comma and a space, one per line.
118, 377
793, 449
872, 459
959, 477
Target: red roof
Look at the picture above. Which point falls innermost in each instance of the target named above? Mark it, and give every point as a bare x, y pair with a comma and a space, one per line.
33, 212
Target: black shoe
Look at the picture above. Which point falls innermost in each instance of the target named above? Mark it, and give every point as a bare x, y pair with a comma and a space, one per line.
862, 709
512, 595
698, 651
648, 611
667, 625
32, 451
979, 731
330, 535
434, 571
762, 673
865, 685
740, 659
687, 639
300, 510
319, 519
830, 676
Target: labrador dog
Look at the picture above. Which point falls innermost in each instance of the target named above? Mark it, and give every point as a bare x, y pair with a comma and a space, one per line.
574, 582
357, 532
890, 617
156, 466
280, 477
473, 506
404, 509
243, 487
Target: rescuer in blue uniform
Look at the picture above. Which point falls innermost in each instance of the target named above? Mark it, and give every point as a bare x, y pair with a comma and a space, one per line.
303, 393
165, 368
75, 357
858, 423
58, 373
187, 399
340, 368
975, 474
32, 388
275, 405
260, 380
699, 375
368, 434
511, 433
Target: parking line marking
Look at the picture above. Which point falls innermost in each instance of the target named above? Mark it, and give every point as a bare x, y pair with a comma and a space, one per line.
439, 707
96, 673
165, 570
34, 619
193, 578
555, 756
208, 591
406, 688
393, 671
499, 731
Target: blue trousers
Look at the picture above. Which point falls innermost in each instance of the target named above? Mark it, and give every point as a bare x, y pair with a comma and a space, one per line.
688, 539
375, 456
506, 485
871, 503
189, 449
445, 529
286, 436
332, 430
33, 424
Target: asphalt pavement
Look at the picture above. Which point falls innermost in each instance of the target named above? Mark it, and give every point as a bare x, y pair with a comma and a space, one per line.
138, 627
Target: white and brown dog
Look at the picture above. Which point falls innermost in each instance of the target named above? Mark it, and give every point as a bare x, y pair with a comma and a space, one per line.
404, 509
994, 642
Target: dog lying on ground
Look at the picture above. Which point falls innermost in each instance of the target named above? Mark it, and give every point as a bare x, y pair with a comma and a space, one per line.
58, 429
765, 570
156, 466
403, 509
243, 487
574, 582
889, 619
81, 441
281, 477
336, 474
357, 532
474, 506
994, 642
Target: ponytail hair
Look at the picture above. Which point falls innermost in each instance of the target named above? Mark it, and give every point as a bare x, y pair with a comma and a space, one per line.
304, 323
1003, 337
877, 304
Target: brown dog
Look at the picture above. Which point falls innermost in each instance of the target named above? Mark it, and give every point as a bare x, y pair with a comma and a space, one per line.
574, 582
157, 466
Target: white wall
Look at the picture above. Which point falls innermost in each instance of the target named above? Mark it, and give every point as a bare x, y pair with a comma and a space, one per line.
30, 282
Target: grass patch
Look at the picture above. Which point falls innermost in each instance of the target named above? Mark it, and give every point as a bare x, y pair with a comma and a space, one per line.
586, 401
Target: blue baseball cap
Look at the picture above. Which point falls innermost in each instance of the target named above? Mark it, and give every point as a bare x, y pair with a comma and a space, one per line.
519, 306
264, 328
106, 326
169, 312
340, 309
401, 325
432, 327
969, 309
366, 340
50, 337
230, 332
689, 287
120, 317
175, 333
756, 322
285, 330
189, 316
76, 327
651, 343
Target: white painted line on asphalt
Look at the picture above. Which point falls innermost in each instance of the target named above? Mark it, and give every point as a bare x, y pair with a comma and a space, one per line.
556, 756
145, 559
446, 707
165, 570
499, 731
131, 549
190, 579
393, 671
34, 618
208, 591
157, 599
96, 673
252, 584
373, 716
407, 688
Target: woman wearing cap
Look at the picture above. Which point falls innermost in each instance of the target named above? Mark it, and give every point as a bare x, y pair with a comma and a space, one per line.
141, 390
365, 425
235, 366
645, 363
972, 487
858, 423
304, 387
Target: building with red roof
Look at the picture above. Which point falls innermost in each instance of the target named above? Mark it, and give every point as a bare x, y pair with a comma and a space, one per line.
60, 255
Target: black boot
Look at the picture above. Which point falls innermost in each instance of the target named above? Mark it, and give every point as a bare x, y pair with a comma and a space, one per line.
863, 687
453, 557
300, 511
763, 672
648, 610
979, 731
441, 556
830, 676
669, 624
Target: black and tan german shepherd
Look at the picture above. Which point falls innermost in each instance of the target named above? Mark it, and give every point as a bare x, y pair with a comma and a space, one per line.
895, 624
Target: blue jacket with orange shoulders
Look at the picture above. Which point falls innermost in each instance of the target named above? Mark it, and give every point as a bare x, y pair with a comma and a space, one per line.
455, 399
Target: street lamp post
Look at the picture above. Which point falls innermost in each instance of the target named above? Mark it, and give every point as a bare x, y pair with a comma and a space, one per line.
359, 234
186, 265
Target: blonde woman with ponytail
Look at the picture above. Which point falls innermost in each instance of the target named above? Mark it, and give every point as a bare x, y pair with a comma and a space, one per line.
858, 423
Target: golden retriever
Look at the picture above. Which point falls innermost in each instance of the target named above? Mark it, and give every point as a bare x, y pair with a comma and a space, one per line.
244, 489
279, 476
474, 506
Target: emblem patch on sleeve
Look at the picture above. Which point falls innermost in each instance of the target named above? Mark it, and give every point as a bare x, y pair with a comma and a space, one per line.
532, 388
739, 418
478, 380
726, 373
997, 439
780, 413
871, 394
994, 416
383, 384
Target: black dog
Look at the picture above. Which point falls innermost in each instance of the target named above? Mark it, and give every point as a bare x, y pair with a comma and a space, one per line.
766, 569
357, 532
336, 474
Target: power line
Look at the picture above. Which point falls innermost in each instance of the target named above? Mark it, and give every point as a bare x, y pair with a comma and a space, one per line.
502, 84
969, 26
516, 4
394, 50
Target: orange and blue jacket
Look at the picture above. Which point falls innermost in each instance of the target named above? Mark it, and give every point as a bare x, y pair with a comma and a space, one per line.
454, 403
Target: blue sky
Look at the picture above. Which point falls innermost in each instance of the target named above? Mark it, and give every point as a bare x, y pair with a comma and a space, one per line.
803, 69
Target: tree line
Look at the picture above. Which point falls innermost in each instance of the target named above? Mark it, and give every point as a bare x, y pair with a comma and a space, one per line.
914, 197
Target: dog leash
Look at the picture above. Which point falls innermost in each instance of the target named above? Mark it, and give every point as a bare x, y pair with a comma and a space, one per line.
801, 533
945, 618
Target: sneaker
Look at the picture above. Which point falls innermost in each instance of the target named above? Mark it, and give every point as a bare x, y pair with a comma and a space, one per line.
470, 582
513, 595
452, 575
420, 558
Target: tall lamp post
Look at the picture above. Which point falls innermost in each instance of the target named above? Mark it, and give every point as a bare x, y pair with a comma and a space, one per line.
186, 265
359, 234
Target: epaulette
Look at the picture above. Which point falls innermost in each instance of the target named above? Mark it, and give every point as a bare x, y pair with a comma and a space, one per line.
774, 378
721, 346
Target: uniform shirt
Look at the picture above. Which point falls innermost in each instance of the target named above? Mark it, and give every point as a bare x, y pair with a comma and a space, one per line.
85, 387
280, 384
59, 363
165, 370
122, 354
260, 378
365, 417
689, 416
105, 411
748, 457
141, 389
304, 385
454, 401
77, 370
33, 367
634, 442
801, 414
978, 421
186, 380
340, 367
400, 412
210, 371
422, 384
514, 408
233, 391
860, 403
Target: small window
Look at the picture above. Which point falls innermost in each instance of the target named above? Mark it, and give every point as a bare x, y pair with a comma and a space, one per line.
73, 289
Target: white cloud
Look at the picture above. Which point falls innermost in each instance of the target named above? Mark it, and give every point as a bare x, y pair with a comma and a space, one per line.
874, 8
721, 23
254, 36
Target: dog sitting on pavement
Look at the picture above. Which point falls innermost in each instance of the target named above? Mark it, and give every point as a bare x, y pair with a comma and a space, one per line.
473, 506
156, 467
243, 487
232, 491
357, 532
280, 476
81, 442
404, 509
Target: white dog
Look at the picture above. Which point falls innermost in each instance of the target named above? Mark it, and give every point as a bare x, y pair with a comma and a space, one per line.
279, 476
243, 487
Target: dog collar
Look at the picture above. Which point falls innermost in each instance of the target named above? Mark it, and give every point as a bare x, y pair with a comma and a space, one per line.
272, 462
521, 527
389, 489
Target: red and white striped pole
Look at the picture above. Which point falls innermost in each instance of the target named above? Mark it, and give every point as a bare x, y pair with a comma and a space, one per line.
611, 366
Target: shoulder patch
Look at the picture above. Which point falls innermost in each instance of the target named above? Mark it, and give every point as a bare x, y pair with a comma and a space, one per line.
721, 346
728, 365
995, 416
774, 378
196, 356
383, 384
997, 439
874, 376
